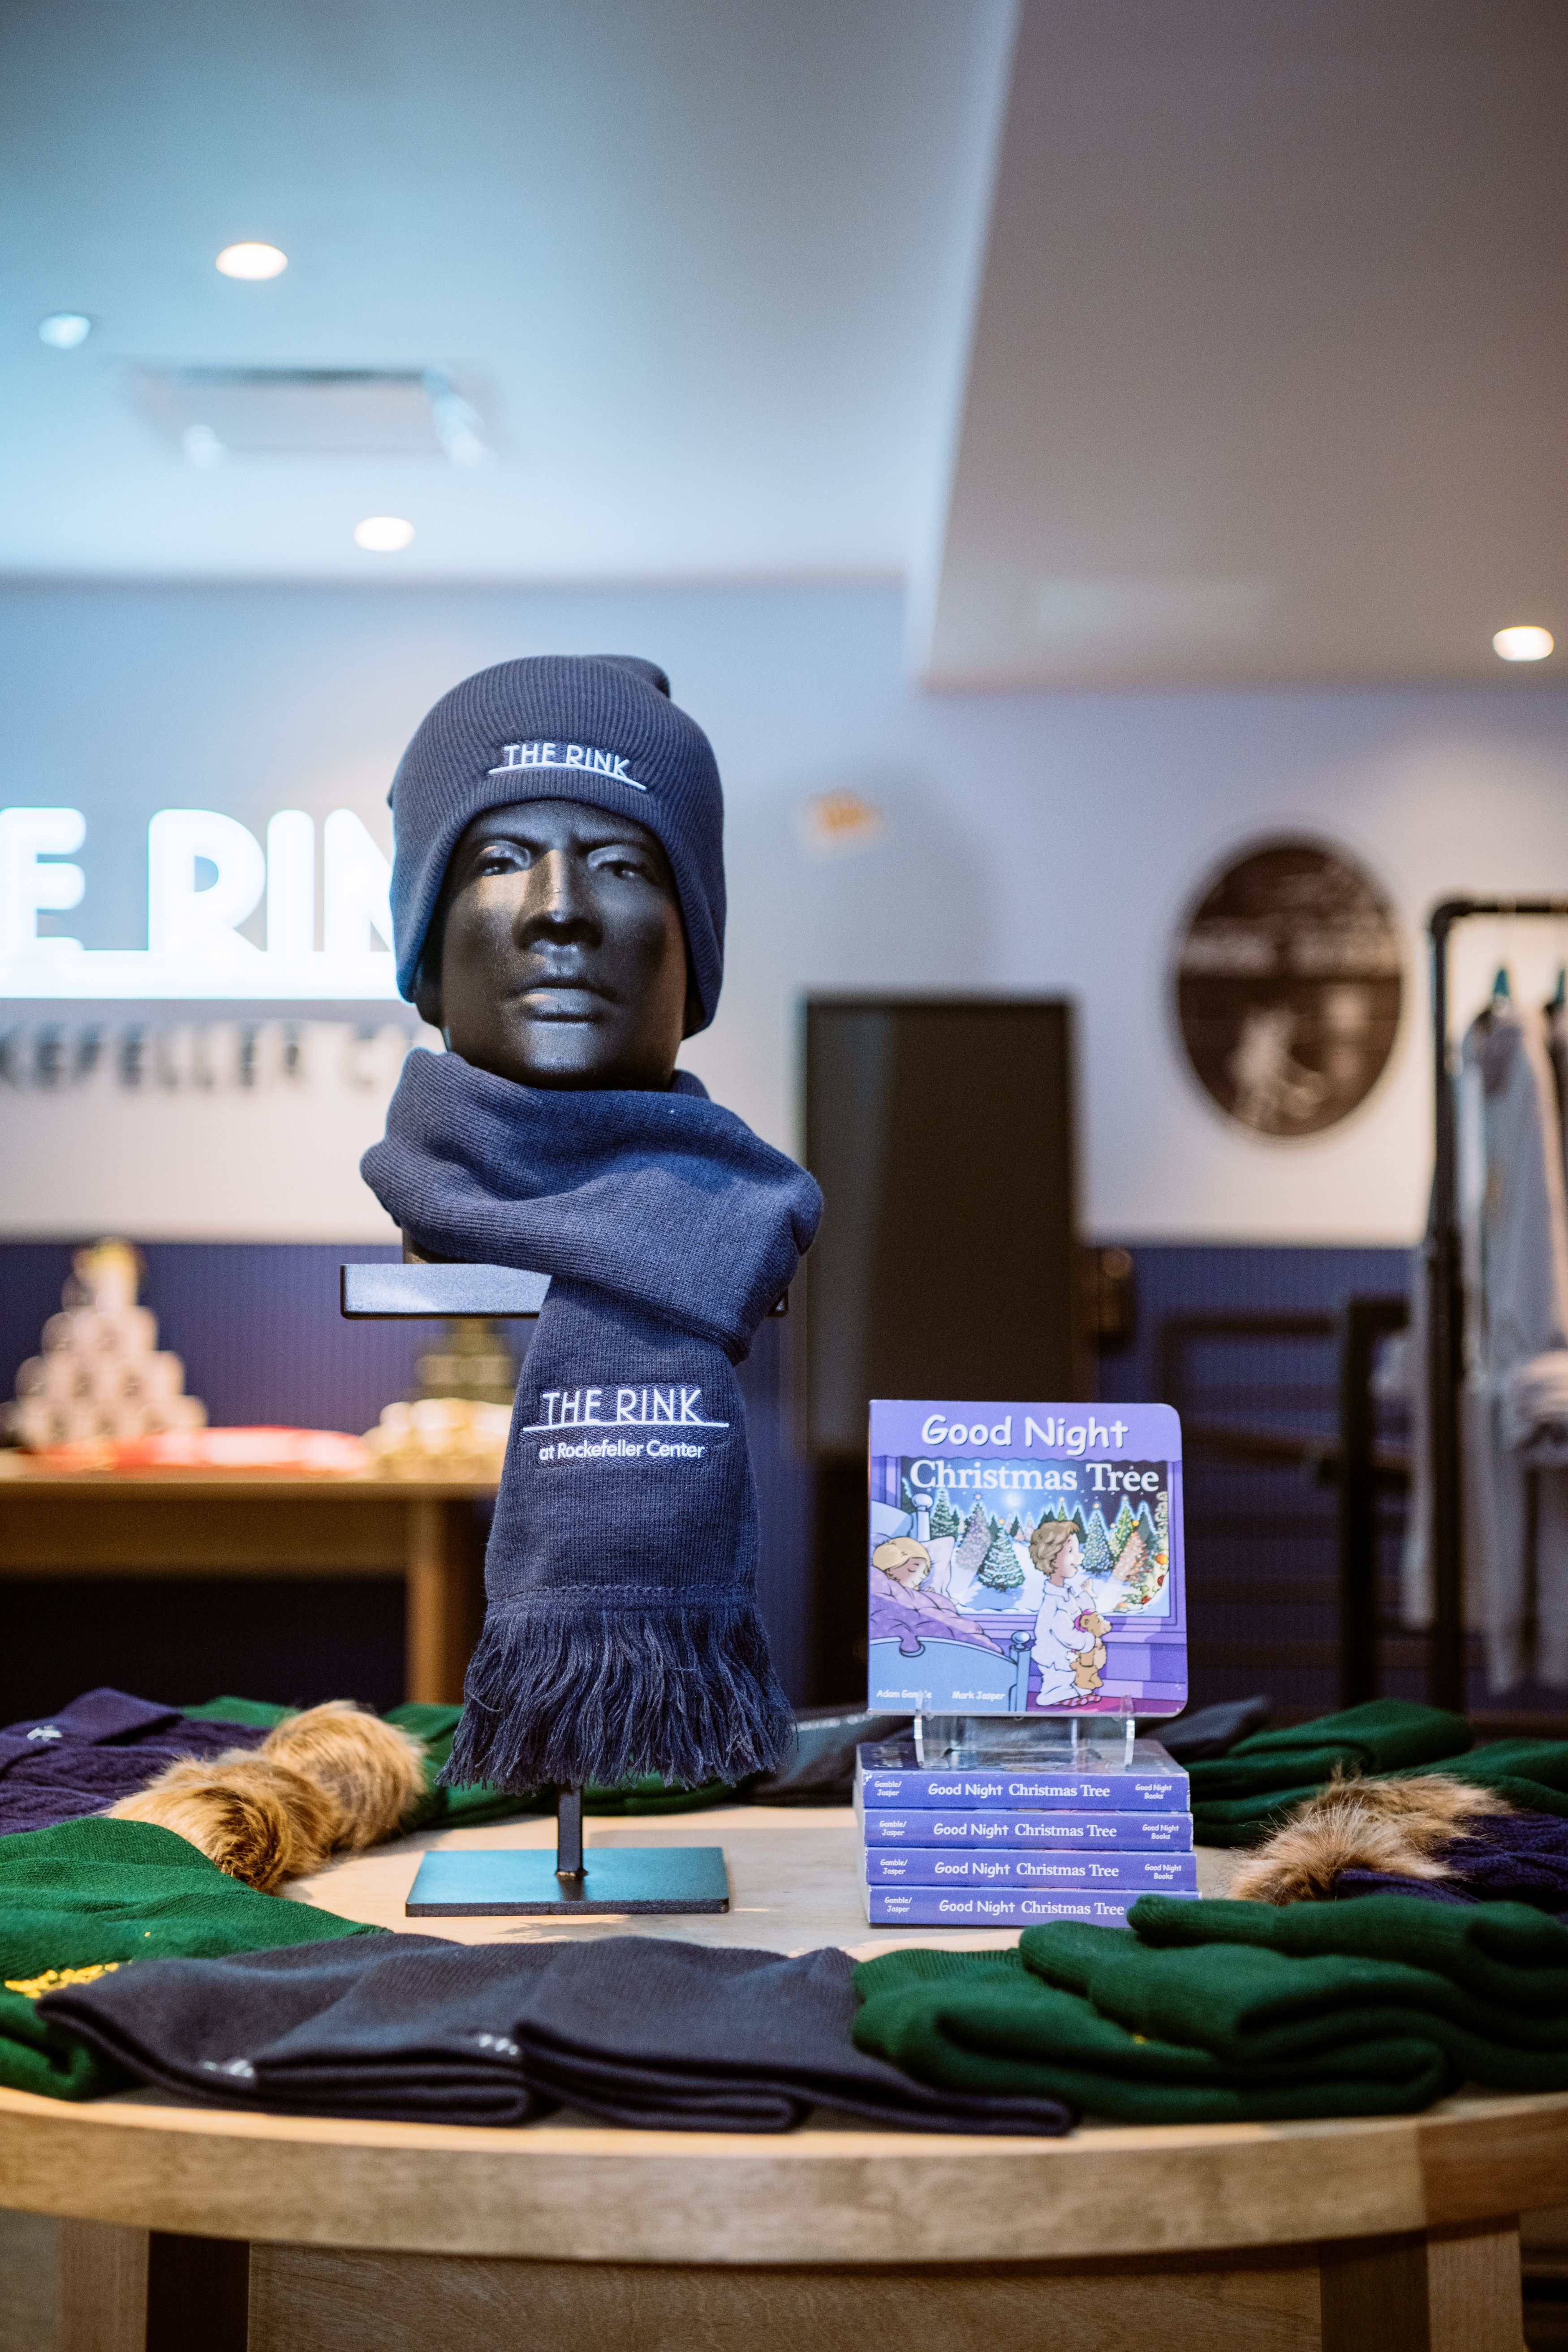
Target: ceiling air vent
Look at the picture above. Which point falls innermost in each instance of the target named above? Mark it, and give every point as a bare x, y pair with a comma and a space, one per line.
214, 413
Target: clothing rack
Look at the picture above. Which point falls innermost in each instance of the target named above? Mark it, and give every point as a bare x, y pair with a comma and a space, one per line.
1445, 1309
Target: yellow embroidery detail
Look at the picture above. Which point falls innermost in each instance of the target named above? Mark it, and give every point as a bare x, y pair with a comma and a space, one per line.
52, 1979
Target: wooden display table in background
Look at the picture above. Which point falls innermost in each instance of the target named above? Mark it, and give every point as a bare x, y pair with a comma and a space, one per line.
1396, 2235
230, 1523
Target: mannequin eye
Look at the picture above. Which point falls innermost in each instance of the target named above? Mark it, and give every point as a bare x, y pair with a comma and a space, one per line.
499, 857
622, 858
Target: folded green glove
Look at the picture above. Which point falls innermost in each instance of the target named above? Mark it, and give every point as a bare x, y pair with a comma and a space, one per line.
1507, 1963
984, 2021
1238, 1798
1222, 2011
93, 1893
1530, 1773
1299, 2005
1381, 1736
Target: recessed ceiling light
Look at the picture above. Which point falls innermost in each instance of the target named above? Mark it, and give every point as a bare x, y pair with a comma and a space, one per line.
64, 329
1523, 644
202, 446
252, 261
382, 534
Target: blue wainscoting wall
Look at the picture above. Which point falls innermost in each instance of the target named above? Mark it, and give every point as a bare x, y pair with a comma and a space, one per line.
258, 1327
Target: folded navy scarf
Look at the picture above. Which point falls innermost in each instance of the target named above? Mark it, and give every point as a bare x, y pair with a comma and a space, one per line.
636, 2030
621, 1633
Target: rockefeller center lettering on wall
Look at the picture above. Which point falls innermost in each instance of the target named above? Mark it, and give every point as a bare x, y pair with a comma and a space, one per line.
1287, 978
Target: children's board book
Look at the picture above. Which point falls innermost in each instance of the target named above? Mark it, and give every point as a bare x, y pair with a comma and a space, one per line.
1100, 1873
1030, 1833
891, 1776
1025, 1559
992, 1907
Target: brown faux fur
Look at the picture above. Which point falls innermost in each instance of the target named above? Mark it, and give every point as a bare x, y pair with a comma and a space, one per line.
330, 1778
257, 1819
373, 1771
1394, 1825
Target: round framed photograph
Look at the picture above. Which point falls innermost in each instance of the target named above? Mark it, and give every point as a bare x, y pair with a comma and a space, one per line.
1289, 980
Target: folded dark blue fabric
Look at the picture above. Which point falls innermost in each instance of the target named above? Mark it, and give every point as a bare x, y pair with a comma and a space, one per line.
1502, 1858
635, 2030
104, 1746
622, 1633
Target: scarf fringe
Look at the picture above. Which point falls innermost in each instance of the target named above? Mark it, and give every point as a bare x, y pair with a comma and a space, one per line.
593, 1696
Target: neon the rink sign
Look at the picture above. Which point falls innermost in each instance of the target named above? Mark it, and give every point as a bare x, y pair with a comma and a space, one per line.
206, 875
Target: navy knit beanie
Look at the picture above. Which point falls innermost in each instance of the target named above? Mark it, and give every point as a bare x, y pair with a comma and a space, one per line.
574, 727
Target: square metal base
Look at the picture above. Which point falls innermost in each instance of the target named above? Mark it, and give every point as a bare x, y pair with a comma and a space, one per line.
499, 1884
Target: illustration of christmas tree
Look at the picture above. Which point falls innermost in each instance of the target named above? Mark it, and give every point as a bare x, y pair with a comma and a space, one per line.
1148, 1574
972, 1547
102, 1373
944, 1519
1015, 1531
1001, 1569
1123, 1527
1096, 1554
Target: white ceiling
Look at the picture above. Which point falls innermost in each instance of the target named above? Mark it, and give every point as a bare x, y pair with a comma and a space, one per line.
707, 262
1270, 374
1260, 373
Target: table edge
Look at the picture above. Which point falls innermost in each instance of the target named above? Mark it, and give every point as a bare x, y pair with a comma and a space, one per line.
842, 2195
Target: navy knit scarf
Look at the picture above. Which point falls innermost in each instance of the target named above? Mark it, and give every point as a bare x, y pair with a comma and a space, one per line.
621, 1633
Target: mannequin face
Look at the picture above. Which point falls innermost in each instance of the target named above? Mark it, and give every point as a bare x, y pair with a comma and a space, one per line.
557, 958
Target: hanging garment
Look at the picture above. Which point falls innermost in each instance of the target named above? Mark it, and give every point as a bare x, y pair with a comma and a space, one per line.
621, 1633
1523, 1551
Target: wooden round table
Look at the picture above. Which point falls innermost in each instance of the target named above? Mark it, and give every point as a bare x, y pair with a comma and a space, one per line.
190, 2225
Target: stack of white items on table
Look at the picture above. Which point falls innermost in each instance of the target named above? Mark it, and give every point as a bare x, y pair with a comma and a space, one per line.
448, 1437
102, 1373
1014, 1825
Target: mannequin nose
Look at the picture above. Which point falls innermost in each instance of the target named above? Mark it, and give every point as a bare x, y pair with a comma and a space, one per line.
558, 896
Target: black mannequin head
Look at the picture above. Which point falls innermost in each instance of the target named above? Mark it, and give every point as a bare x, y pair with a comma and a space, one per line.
557, 958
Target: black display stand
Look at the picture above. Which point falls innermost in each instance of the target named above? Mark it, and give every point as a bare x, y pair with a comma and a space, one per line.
573, 1882
502, 1882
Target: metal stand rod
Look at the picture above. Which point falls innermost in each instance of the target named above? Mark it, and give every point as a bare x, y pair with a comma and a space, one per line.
920, 1740
1073, 1741
1446, 1315
568, 1833
1128, 1734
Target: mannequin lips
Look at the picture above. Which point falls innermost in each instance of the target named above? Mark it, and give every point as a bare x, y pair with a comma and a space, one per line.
565, 999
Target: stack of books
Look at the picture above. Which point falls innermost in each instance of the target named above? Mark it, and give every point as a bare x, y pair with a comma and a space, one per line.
972, 1838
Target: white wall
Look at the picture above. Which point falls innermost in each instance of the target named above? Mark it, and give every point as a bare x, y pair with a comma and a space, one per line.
1036, 843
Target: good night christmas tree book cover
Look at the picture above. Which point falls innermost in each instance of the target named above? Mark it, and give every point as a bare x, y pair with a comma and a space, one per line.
1025, 1559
